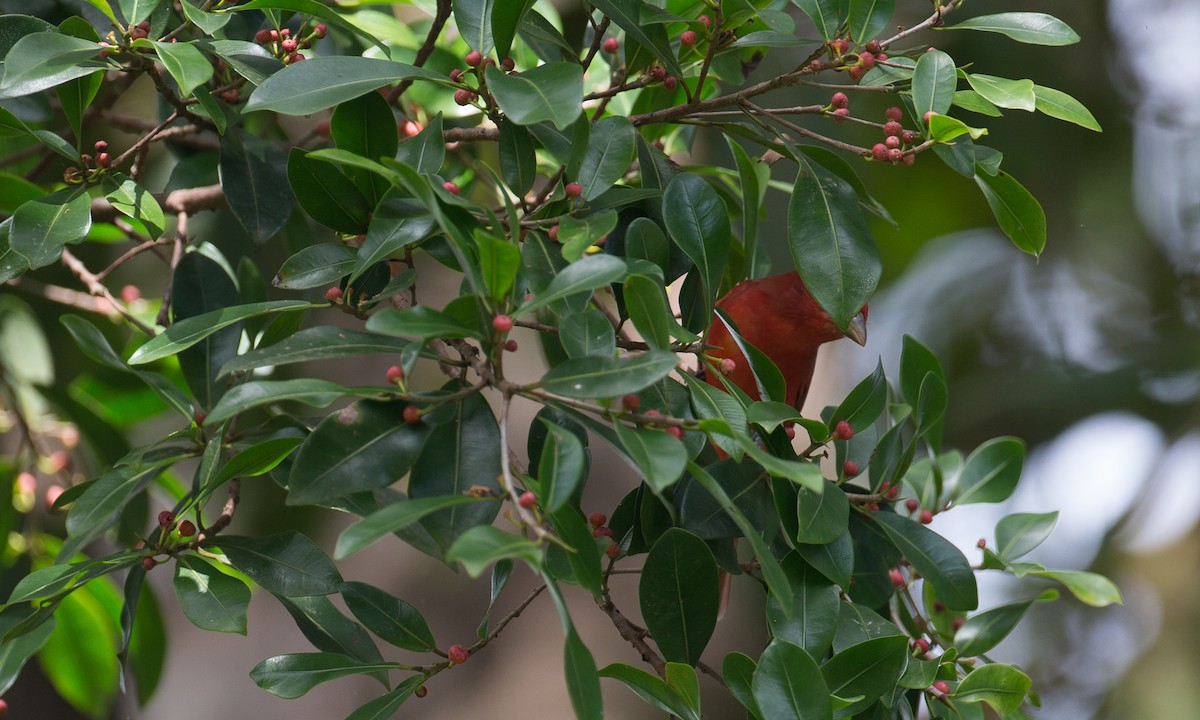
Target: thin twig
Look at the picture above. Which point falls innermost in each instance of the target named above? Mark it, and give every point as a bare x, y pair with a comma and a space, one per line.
97, 288
444, 8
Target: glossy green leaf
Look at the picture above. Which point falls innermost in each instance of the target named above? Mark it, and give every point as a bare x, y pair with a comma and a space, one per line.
1058, 104
187, 333
394, 225
329, 630
134, 201
609, 153
15, 652
1088, 587
208, 22
286, 564
506, 17
867, 18
100, 505
290, 676
257, 459
865, 403
822, 516
867, 670
483, 545
254, 176
364, 446
582, 552
326, 194
42, 60
587, 334
185, 63
1002, 92
991, 471
1018, 534
386, 706
41, 227
418, 322
976, 103
649, 310
936, 558
813, 617
80, 656
315, 343
518, 158
1027, 27
366, 126
577, 234
202, 285
1001, 686
256, 393
391, 518
933, 83
679, 595
983, 631
593, 377
788, 684
304, 88
551, 92
660, 458
76, 96
943, 129
1017, 211
315, 265
698, 221
389, 617
211, 599
738, 671
499, 262
135, 11
651, 689
561, 468
825, 15
831, 246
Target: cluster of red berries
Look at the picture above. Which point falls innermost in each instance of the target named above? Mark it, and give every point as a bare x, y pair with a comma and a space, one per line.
92, 165
925, 516
597, 520
285, 46
895, 139
476, 63
657, 73
458, 654
863, 61
140, 31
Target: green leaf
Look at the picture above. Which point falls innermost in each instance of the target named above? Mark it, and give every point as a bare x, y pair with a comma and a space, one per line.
649, 310
254, 177
499, 262
627, 14
825, 14
76, 96
552, 92
474, 20
80, 656
506, 16
329, 630
306, 87
389, 617
211, 599
134, 201
483, 545
865, 403
425, 152
327, 195
1017, 211
1018, 534
314, 266
991, 472
1027, 27
582, 552
823, 516
286, 564
651, 689
418, 322
698, 221
660, 458
738, 670
364, 446
186, 64
394, 225
587, 334
315, 343
1058, 104
1090, 588
518, 157
392, 518
561, 468
679, 595
577, 234
831, 246
42, 60
100, 505
867, 670
593, 377
1003, 687
135, 11
867, 18
973, 101
386, 706
366, 126
933, 83
16, 651
209, 23
260, 458
609, 153
943, 128
936, 558
982, 632
315, 9
256, 393
788, 684
187, 333
41, 227
290, 676
15, 191
1005, 93
812, 619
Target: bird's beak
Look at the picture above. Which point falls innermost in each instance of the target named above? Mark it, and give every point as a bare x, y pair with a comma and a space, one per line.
857, 331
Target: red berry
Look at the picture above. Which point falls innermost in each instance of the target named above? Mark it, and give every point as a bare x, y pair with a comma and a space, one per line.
455, 74
981, 544
412, 414
942, 686
881, 57
295, 58
411, 129
52, 494
706, 21
891, 141
603, 532
790, 432
851, 468
938, 606
510, 345
288, 45
553, 233
458, 654
891, 128
867, 60
502, 323
957, 623
613, 550
508, 64
893, 113
895, 154
652, 414
610, 45
87, 159
908, 136
893, 492
839, 45
631, 402
879, 152
912, 504
451, 188
474, 58
728, 366
320, 30
657, 72
103, 160
199, 417
101, 146
597, 519
489, 61
148, 563
855, 72
921, 645
3, 707
843, 431
675, 431
897, 578
187, 529
395, 374
285, 32
670, 83
165, 519
839, 100
527, 500
908, 159
841, 114
333, 294
872, 47
928, 115
130, 293
926, 517
573, 190
687, 38
464, 97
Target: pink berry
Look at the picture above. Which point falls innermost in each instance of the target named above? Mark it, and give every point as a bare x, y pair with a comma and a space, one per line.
881, 57
841, 114
891, 128
891, 141
321, 128
908, 159
411, 129
928, 115
464, 97
553, 233
670, 83
893, 113
295, 58
942, 686
610, 45
603, 532
101, 145
855, 72
897, 578
320, 30
912, 504
631, 402
573, 190
895, 154
262, 37
165, 519
926, 517
474, 58
103, 160
597, 519
839, 45
706, 21
657, 72
527, 500
510, 345
843, 431
872, 47
613, 550
839, 100
675, 431
333, 294
26, 483
458, 654
908, 136
395, 374
867, 60
289, 45
52, 494
451, 188
921, 645
502, 323
790, 432
456, 74
412, 414
687, 38
981, 544
851, 468
148, 563
879, 152
508, 64
130, 293
728, 366
957, 623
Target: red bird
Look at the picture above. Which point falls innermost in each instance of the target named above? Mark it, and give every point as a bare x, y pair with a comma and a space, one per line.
778, 316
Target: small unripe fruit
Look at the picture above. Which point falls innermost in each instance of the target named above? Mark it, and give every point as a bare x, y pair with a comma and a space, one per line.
288, 45
597, 519
456, 74
893, 113
489, 61
893, 492
52, 494
879, 152
101, 146
610, 45
148, 563
891, 141
527, 500
843, 431
165, 519
333, 294
652, 414
508, 64
942, 686
320, 30
285, 32
728, 366
130, 293
458, 654
451, 188
412, 414
687, 38
464, 97
26, 483
927, 116
293, 58
675, 431
411, 129
321, 128
851, 469
909, 159
706, 21
421, 691
897, 578
474, 58
867, 60
553, 233
839, 100
670, 83
891, 128
908, 136
103, 160
872, 47
926, 517
921, 645
199, 417
855, 72
839, 45
187, 529
981, 544
938, 606
631, 402
841, 114
87, 159
502, 323
602, 532
395, 374
657, 72
613, 550
573, 190
895, 154
957, 623
510, 345
881, 57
